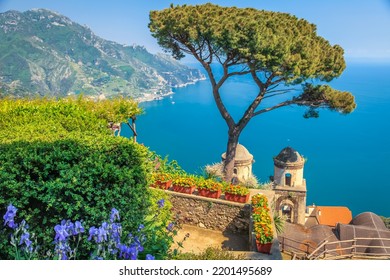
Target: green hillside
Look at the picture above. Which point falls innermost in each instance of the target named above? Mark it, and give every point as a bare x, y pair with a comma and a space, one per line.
44, 53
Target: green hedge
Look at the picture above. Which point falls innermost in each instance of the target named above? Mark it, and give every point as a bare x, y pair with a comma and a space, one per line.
59, 161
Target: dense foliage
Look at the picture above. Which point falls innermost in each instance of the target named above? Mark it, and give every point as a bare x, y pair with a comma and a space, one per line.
59, 161
277, 50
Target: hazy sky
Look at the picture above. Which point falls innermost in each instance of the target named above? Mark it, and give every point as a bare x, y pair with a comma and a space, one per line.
361, 27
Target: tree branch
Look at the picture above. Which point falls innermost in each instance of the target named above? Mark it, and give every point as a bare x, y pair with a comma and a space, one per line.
277, 81
258, 82
316, 104
282, 104
276, 92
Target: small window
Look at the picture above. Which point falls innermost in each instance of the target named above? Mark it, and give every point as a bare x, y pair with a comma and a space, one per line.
235, 171
288, 179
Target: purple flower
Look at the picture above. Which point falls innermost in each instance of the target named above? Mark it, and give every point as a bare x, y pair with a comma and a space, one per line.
79, 227
101, 234
115, 233
92, 232
141, 227
130, 252
61, 233
61, 250
9, 216
69, 226
122, 250
161, 203
24, 237
170, 226
150, 257
28, 244
114, 215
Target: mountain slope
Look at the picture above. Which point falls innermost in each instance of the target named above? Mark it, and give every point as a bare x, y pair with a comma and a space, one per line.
45, 53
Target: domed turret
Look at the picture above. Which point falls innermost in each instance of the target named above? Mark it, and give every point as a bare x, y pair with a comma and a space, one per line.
288, 168
289, 185
289, 157
242, 164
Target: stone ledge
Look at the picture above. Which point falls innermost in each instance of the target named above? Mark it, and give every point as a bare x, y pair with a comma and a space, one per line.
214, 200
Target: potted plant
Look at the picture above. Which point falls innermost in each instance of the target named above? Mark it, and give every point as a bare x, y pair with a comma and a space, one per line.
209, 188
262, 223
236, 193
161, 180
184, 184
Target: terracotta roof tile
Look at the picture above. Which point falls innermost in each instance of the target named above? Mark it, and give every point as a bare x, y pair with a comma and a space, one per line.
331, 215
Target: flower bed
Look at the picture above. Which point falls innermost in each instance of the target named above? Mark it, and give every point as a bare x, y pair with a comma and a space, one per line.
161, 180
209, 188
262, 223
236, 193
107, 241
184, 184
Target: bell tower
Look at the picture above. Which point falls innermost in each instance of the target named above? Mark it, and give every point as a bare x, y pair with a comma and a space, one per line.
290, 186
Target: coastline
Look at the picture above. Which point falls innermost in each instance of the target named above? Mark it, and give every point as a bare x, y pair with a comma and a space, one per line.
153, 97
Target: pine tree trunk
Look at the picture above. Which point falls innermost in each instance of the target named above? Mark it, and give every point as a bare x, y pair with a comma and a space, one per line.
230, 156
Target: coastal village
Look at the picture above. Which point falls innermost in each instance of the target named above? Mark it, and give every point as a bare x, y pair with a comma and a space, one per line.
310, 231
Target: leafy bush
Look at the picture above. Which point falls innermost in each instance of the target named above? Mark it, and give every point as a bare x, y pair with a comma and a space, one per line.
75, 179
163, 165
160, 226
59, 161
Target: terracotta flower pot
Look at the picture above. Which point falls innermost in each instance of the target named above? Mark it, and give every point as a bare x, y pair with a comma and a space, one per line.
208, 193
182, 189
162, 185
237, 197
264, 248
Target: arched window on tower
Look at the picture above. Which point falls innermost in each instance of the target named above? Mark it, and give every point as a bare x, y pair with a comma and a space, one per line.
287, 179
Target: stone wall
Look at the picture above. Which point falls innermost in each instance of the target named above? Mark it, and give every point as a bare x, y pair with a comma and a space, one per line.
211, 213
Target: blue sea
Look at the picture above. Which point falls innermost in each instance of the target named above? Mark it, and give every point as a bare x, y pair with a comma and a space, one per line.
348, 156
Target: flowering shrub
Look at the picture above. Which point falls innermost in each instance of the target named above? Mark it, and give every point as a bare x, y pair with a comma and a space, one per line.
66, 232
20, 238
108, 239
262, 223
236, 189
